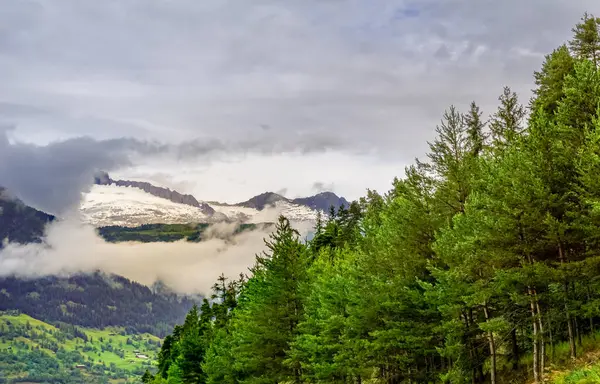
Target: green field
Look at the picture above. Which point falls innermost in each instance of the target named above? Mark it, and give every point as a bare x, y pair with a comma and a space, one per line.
37, 351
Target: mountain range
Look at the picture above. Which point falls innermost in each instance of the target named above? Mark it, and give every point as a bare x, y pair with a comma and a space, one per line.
133, 203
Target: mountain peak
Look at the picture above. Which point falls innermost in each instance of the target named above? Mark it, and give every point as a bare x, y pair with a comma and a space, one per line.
322, 201
102, 178
263, 200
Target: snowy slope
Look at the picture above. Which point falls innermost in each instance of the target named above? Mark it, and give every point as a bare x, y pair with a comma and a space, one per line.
294, 212
129, 206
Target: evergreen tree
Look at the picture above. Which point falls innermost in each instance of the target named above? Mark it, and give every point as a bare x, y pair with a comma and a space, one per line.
506, 125
586, 39
551, 78
475, 130
269, 311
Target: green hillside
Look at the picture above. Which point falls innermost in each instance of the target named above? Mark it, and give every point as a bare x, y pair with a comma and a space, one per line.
150, 233
36, 351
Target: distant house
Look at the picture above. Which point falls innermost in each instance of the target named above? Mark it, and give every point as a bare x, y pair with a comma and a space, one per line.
80, 366
141, 356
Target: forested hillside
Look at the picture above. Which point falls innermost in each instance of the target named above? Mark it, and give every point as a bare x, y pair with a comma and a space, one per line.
34, 351
480, 265
20, 223
95, 300
151, 233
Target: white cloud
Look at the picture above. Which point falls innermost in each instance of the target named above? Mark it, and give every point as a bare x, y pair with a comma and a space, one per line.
70, 248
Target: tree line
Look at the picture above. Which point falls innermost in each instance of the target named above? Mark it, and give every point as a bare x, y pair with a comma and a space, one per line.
476, 267
95, 300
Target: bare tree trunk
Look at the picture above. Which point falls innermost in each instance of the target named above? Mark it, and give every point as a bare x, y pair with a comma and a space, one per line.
572, 347
551, 338
515, 349
492, 347
542, 338
536, 377
589, 297
578, 331
468, 342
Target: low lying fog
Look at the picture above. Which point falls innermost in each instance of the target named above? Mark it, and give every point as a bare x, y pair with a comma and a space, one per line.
72, 247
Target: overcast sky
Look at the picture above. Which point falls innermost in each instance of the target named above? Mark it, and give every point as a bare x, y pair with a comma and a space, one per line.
288, 95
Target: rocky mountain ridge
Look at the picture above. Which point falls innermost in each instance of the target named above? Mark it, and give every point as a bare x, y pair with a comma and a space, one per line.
103, 178
20, 223
320, 202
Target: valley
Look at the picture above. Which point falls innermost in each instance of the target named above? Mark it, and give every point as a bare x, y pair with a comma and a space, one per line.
468, 254
35, 351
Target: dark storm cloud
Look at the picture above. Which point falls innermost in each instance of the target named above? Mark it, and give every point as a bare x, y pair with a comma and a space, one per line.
51, 177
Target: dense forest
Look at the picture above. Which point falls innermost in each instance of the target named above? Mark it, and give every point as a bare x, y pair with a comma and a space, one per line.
479, 266
95, 300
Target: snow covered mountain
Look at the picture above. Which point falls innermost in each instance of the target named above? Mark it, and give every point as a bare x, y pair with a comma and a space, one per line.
130, 206
125, 203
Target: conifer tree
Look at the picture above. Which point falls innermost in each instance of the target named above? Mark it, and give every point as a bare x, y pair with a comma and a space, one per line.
447, 161
475, 130
551, 78
506, 125
586, 39
269, 310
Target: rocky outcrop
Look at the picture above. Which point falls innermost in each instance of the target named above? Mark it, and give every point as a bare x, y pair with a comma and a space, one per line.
20, 223
103, 178
267, 199
322, 201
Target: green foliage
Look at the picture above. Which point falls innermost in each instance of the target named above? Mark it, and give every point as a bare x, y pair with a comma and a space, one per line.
586, 39
550, 79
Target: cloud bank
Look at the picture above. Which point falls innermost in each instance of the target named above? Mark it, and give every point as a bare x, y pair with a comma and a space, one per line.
51, 177
70, 247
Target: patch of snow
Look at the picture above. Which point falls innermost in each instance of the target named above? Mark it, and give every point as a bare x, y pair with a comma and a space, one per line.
294, 212
126, 206
129, 206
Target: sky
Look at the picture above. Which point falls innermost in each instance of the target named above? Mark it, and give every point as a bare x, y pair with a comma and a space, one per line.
227, 99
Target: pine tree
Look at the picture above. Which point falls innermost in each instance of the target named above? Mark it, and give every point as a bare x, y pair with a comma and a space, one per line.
475, 130
551, 78
578, 107
270, 309
147, 377
506, 125
447, 161
192, 348
586, 39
